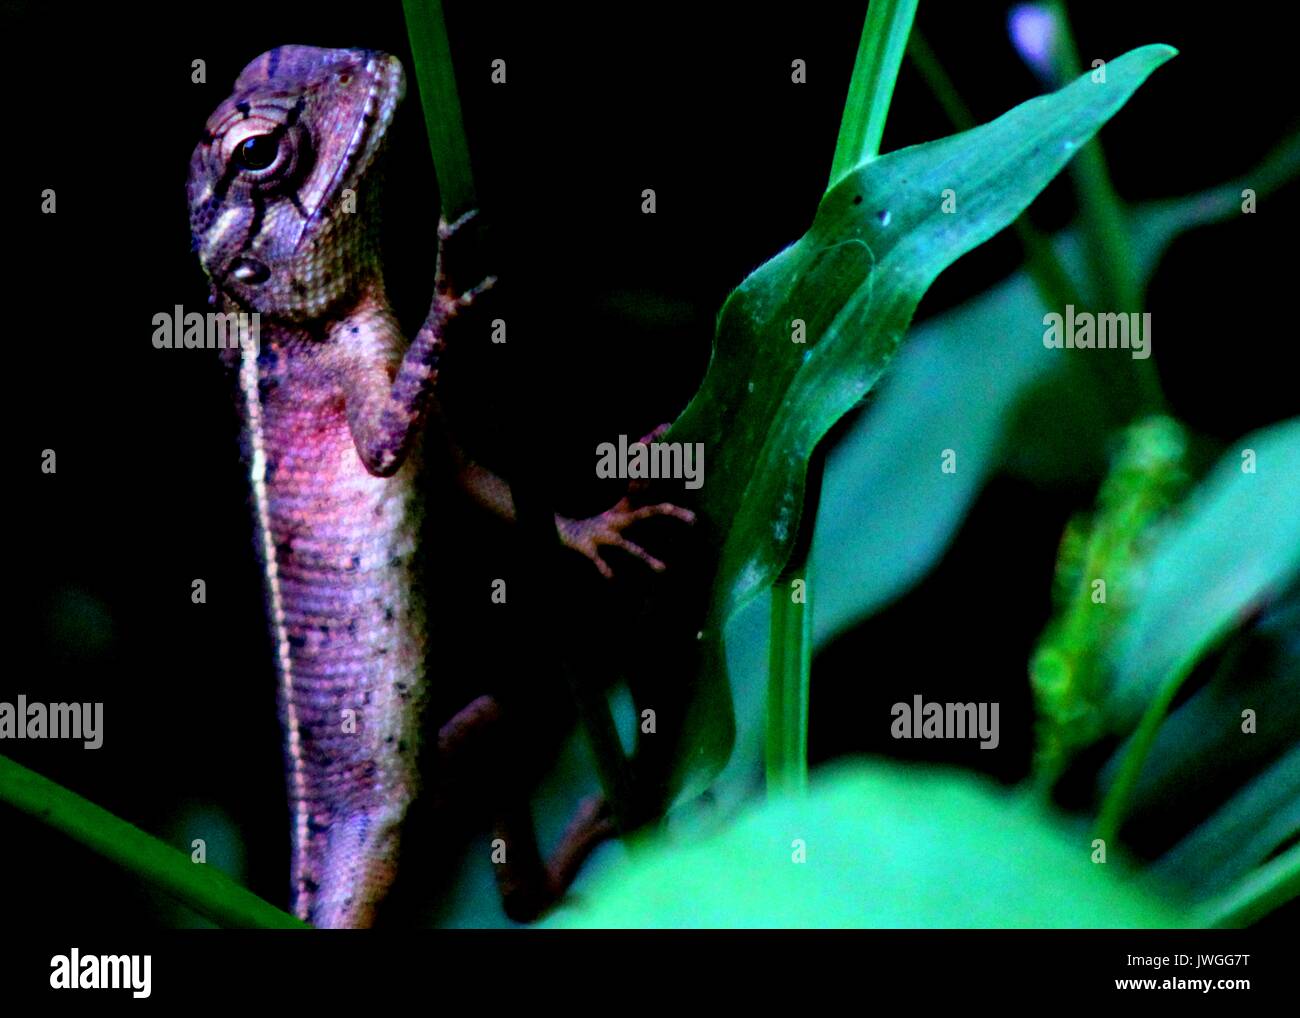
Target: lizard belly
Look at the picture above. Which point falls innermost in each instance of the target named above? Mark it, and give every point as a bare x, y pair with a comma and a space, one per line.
340, 545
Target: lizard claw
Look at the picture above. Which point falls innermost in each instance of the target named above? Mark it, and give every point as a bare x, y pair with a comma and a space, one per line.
446, 229
606, 530
441, 284
467, 298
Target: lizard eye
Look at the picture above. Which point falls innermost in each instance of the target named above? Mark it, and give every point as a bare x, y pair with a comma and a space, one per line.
266, 156
258, 152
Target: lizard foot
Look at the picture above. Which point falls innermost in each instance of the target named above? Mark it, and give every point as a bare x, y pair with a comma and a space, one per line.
606, 530
528, 885
589, 536
449, 300
530, 890
592, 824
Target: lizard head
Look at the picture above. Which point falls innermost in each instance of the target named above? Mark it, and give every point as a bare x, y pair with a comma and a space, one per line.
282, 211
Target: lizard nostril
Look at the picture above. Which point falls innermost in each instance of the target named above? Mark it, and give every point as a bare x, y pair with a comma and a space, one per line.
249, 270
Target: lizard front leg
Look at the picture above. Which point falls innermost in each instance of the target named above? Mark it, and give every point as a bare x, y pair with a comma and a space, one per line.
385, 408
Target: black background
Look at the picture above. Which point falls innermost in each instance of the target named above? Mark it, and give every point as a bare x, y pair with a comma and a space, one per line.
611, 320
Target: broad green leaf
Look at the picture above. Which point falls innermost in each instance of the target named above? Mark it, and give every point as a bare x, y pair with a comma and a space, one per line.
879, 239
885, 846
886, 516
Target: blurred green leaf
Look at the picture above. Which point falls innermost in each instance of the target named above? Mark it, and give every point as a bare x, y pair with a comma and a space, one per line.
1259, 670
1241, 835
879, 239
1156, 225
887, 512
886, 846
1257, 894
1233, 548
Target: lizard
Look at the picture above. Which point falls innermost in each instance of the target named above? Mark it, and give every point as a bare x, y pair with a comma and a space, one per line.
283, 205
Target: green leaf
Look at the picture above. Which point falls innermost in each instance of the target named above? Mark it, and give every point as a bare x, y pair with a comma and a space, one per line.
886, 515
879, 239
887, 512
440, 103
886, 846
206, 890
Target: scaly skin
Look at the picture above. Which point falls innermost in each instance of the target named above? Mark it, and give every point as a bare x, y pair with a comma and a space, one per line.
283, 209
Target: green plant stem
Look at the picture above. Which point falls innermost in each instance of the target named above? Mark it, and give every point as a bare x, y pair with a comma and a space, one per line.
1115, 805
880, 53
790, 653
790, 661
436, 77
1257, 894
206, 890
871, 88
